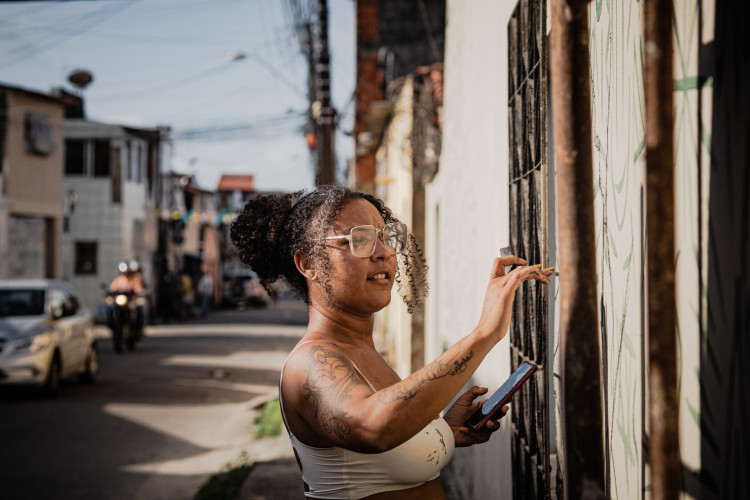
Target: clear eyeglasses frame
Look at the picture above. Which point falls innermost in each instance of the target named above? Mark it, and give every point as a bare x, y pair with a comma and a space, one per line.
363, 239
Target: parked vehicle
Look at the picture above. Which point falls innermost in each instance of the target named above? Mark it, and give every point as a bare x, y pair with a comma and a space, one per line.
46, 334
243, 289
125, 318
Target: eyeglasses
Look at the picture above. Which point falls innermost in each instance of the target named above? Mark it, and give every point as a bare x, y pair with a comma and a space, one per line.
364, 239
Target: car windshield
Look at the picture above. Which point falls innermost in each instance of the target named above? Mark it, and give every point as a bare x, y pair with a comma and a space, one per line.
21, 302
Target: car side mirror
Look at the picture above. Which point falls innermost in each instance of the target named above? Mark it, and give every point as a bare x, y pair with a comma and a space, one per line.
57, 312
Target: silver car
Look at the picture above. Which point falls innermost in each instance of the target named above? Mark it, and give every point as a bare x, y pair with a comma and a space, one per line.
46, 333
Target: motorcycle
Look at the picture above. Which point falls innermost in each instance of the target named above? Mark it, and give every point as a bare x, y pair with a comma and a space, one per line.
124, 318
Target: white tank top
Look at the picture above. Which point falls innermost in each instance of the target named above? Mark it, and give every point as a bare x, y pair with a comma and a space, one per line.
338, 473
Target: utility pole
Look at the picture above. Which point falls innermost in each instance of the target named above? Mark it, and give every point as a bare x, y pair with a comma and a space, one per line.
322, 111
582, 414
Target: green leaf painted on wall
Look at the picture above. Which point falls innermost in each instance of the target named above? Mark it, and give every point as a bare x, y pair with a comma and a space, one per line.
626, 264
624, 438
639, 149
612, 244
628, 344
694, 413
620, 221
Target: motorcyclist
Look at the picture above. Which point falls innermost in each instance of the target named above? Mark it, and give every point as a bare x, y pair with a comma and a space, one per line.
125, 281
139, 288
129, 281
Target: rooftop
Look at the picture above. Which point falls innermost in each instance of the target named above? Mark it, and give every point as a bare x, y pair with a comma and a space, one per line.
237, 182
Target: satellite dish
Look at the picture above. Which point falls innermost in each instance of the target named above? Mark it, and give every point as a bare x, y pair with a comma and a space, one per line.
80, 78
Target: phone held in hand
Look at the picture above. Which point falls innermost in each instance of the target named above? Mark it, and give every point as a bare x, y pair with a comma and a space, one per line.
501, 396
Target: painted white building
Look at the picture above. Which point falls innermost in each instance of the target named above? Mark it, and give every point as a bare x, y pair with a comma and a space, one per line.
467, 215
109, 185
393, 184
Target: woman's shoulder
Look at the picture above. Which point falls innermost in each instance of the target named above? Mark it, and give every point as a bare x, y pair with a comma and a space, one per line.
310, 363
313, 352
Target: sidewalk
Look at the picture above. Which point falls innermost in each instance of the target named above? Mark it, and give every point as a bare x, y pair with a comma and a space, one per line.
273, 480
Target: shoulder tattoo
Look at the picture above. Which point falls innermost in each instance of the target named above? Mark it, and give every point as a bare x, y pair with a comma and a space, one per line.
329, 382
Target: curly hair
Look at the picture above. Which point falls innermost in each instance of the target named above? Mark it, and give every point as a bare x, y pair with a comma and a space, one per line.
271, 229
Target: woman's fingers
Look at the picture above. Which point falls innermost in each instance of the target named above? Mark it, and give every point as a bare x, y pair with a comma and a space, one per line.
498, 266
535, 272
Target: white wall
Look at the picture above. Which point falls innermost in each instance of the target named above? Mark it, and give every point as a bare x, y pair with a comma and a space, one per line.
97, 219
467, 213
392, 327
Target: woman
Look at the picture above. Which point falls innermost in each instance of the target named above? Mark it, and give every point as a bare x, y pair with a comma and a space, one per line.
358, 429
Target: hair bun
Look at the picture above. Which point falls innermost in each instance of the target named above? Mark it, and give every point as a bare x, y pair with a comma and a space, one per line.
257, 233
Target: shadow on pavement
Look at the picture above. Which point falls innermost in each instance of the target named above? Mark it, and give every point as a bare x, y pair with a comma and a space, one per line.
100, 441
275, 479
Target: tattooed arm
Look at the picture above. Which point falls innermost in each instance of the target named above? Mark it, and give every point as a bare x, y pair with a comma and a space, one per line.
342, 409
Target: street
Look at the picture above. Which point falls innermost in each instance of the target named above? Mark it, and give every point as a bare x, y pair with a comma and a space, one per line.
159, 421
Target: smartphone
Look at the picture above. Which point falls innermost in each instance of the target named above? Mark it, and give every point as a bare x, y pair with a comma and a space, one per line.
501, 396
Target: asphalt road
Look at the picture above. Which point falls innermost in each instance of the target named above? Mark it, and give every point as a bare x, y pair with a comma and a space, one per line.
158, 421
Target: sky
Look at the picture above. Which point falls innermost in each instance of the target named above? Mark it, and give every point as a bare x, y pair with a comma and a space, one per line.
227, 76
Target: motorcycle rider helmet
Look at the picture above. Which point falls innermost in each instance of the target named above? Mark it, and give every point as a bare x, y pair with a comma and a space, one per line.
122, 267
134, 266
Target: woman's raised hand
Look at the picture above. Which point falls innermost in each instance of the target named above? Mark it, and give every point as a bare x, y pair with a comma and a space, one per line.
501, 290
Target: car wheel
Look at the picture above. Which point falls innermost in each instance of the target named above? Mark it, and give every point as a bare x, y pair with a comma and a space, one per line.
52, 383
91, 368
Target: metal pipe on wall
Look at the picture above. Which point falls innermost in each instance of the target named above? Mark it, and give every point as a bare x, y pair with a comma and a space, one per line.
664, 453
582, 410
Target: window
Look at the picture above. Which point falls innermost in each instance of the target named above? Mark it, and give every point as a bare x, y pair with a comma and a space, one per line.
74, 157
101, 158
72, 305
138, 234
537, 473
38, 135
86, 257
116, 175
126, 161
134, 165
21, 302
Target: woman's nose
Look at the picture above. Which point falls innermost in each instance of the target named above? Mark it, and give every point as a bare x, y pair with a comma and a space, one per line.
381, 250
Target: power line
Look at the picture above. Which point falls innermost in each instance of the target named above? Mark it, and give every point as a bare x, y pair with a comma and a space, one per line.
97, 17
428, 29
238, 130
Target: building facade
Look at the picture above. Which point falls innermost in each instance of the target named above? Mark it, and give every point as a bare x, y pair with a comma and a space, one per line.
31, 184
111, 175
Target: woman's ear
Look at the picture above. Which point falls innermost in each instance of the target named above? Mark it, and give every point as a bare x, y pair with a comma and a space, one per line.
305, 266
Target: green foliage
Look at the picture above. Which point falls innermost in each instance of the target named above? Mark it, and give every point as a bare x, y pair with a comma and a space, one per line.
269, 422
225, 485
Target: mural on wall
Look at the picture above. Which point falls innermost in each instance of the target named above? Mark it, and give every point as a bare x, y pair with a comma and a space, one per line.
619, 139
691, 140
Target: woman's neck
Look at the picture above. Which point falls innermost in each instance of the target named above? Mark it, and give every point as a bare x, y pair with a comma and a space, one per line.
339, 326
